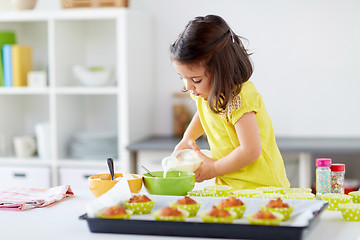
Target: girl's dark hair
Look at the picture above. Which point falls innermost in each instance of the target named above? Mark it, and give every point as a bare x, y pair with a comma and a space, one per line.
210, 40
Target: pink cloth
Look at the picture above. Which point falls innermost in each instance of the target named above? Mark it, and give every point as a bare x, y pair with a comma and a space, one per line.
19, 199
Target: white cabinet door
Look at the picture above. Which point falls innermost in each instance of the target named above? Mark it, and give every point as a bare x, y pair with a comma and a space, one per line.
77, 178
24, 177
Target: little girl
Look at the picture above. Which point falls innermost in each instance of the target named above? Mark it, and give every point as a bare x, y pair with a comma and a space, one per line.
215, 67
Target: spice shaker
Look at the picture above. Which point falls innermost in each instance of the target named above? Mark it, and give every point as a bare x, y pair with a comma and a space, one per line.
337, 178
323, 176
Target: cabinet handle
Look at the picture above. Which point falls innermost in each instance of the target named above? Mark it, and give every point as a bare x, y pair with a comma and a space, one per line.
20, 175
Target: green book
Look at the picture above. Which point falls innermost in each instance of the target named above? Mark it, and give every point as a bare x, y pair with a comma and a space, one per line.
5, 38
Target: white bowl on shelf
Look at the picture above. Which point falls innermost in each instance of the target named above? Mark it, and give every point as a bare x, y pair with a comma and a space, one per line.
92, 76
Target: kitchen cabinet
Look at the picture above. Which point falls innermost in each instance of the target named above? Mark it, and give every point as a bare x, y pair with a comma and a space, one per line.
120, 39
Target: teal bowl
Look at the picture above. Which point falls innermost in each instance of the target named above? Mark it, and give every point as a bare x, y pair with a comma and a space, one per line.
176, 183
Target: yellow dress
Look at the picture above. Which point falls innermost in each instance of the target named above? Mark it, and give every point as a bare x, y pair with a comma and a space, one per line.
268, 169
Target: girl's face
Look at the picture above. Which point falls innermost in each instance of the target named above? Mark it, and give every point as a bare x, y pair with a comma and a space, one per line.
195, 78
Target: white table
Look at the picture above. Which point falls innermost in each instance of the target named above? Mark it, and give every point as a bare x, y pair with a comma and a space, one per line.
61, 221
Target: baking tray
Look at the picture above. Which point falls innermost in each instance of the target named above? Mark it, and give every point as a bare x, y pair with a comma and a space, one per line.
194, 227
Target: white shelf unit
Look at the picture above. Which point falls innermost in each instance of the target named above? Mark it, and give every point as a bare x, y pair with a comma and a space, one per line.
119, 38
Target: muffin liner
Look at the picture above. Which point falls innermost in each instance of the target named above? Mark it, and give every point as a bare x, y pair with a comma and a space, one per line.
271, 189
300, 195
124, 216
202, 193
248, 193
269, 195
209, 219
350, 211
192, 209
297, 190
355, 196
182, 218
284, 211
239, 210
334, 199
141, 207
220, 190
255, 221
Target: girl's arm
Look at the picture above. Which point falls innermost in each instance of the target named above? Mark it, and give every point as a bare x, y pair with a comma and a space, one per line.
249, 150
192, 132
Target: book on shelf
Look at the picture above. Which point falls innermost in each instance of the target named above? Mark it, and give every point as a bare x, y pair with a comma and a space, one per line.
7, 68
21, 57
6, 37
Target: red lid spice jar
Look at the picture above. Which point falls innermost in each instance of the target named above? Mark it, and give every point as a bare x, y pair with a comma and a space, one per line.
337, 178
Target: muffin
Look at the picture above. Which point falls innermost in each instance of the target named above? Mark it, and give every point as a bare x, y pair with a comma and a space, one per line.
265, 218
171, 214
115, 212
188, 204
278, 206
233, 204
218, 215
139, 204
139, 199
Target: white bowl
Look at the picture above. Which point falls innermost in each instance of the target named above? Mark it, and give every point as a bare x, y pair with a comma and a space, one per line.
93, 76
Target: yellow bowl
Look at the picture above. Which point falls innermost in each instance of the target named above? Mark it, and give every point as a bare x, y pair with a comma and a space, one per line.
350, 211
355, 196
334, 199
101, 183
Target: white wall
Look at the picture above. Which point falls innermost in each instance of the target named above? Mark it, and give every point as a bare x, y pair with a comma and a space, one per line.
306, 58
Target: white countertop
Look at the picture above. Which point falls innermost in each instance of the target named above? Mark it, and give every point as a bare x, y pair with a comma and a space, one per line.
61, 221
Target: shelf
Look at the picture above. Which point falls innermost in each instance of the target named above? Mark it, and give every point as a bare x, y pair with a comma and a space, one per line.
14, 161
24, 91
87, 37
86, 90
68, 14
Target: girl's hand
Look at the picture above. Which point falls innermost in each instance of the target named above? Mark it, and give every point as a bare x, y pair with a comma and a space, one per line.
206, 170
187, 143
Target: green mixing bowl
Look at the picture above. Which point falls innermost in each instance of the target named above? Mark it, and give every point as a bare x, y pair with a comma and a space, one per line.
176, 183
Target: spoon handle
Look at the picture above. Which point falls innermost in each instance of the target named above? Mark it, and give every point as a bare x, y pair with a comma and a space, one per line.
110, 163
148, 170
